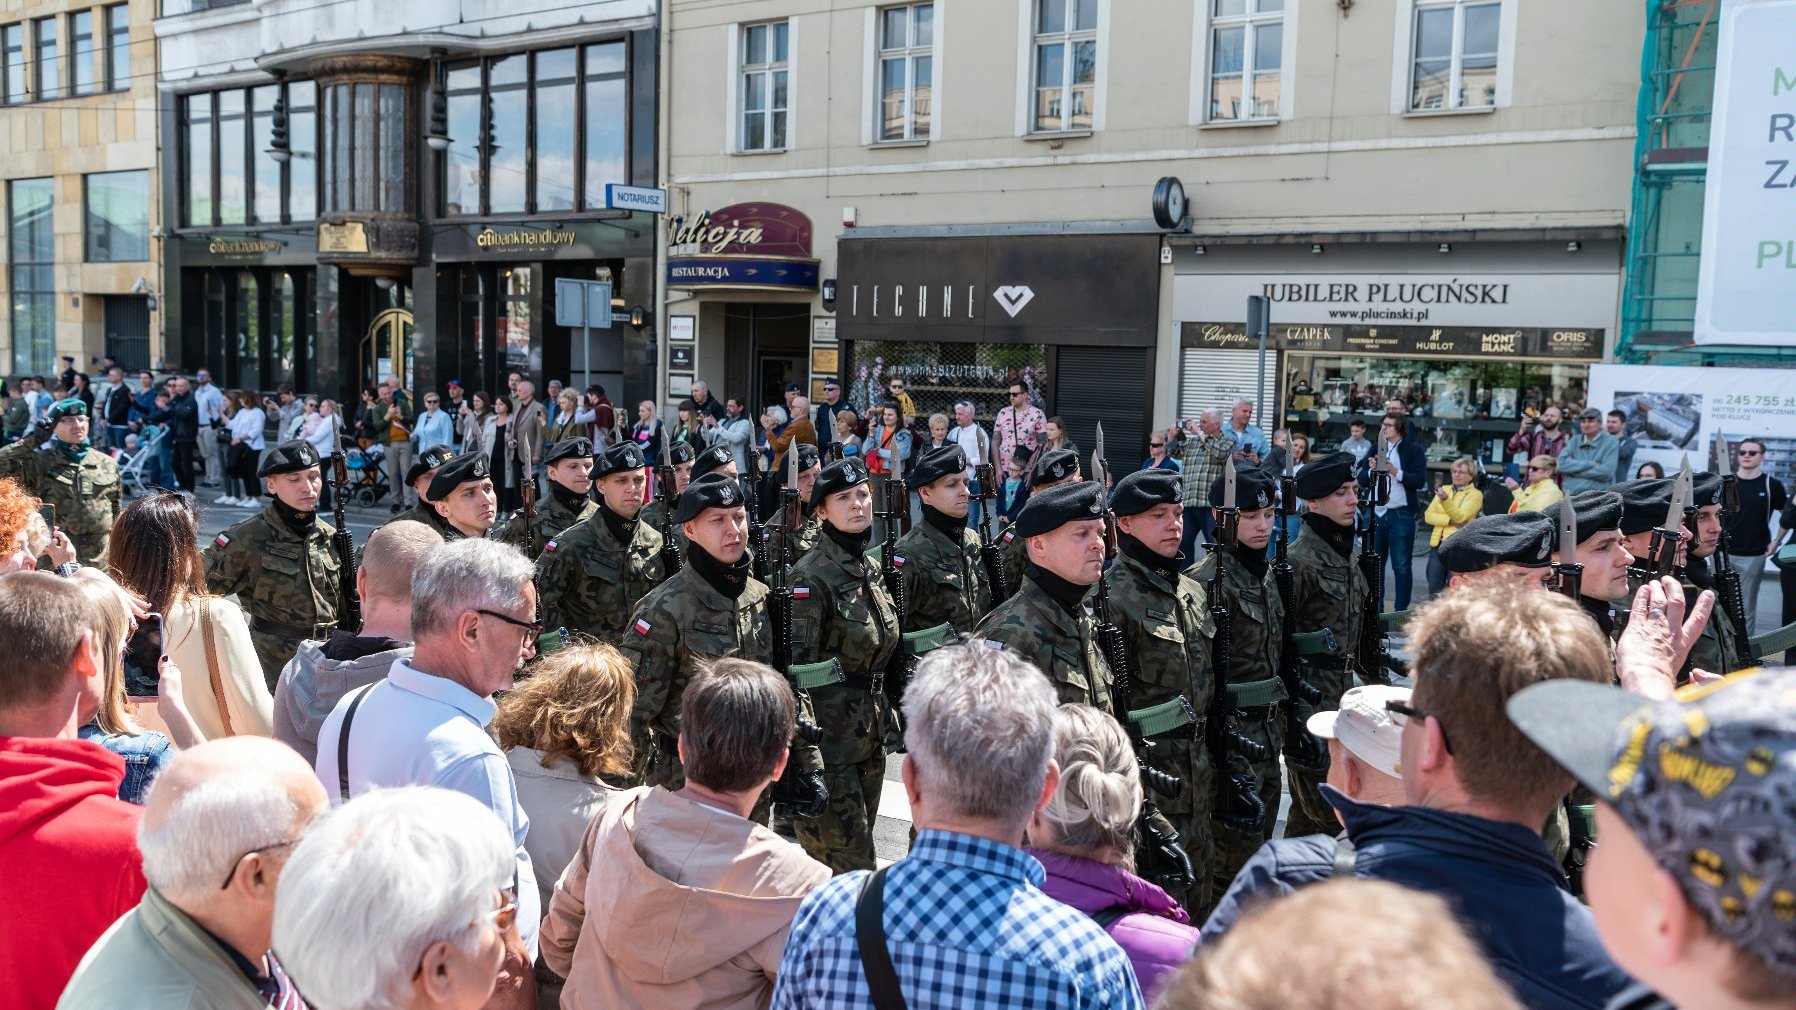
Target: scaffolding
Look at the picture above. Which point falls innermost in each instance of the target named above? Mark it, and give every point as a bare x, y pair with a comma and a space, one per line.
1677, 92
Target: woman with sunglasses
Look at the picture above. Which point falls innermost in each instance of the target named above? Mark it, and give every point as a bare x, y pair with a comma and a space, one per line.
1542, 488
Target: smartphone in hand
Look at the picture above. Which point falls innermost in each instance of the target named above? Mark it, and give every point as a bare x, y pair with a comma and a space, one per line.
143, 659
48, 512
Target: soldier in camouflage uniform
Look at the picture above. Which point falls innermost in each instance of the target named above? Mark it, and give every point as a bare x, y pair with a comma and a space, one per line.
1602, 553
1644, 507
1045, 621
711, 607
1718, 649
1242, 582
841, 611
1329, 591
717, 459
810, 464
1167, 632
82, 484
463, 498
280, 562
569, 466
591, 577
944, 576
659, 511
1056, 466
423, 471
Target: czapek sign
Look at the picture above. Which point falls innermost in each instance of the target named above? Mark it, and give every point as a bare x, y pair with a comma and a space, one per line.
746, 245
1485, 301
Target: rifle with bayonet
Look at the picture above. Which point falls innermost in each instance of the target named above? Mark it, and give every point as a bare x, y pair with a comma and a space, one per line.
757, 530
1728, 591
349, 618
527, 489
1238, 803
665, 492
1568, 574
896, 502
1162, 858
788, 790
1662, 550
1370, 648
1301, 746
993, 558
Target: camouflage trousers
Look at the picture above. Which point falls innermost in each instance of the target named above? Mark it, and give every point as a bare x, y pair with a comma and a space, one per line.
91, 550
274, 652
1265, 726
1310, 813
842, 837
1188, 813
663, 767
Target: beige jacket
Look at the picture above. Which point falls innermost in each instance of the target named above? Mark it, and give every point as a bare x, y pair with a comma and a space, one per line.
561, 803
670, 903
241, 688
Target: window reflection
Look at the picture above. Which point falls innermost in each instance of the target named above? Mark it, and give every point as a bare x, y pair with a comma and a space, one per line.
554, 96
509, 84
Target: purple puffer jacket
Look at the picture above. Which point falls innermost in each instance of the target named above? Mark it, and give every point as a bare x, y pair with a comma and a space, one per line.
1156, 933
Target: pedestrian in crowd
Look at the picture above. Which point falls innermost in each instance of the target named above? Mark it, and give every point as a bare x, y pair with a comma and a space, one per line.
889, 440
907, 406
1013, 493
796, 430
846, 423
1366, 943
143, 398
244, 454
189, 434
597, 414
68, 852
1018, 430
477, 424
529, 425
1762, 497
552, 405
1356, 442
1203, 449
503, 462
393, 432
1395, 537
115, 407
1057, 437
566, 731
1649, 470
325, 430
962, 919
295, 426
1450, 507
81, 388
1615, 423
17, 415
631, 925
688, 427
401, 898
592, 574
1541, 488
1478, 793
287, 405
1692, 883
226, 811
322, 671
454, 397
1281, 451
646, 432
433, 426
938, 432
82, 484
704, 401
1541, 437
1251, 443
736, 432
1084, 838
473, 625
366, 422
1365, 757
827, 421
463, 497
1588, 460
280, 562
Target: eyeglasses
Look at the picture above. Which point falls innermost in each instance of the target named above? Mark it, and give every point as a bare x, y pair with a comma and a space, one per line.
1534, 468
431, 399
261, 848
1018, 392
1751, 452
506, 915
1156, 445
534, 627
1407, 712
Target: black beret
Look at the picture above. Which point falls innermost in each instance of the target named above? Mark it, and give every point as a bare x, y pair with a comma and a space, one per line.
1144, 489
1707, 489
1597, 511
1047, 511
1255, 489
838, 476
618, 457
1644, 503
568, 448
288, 457
712, 491
946, 461
807, 456
74, 406
429, 460
680, 452
1323, 477
715, 458
791, 387
1525, 539
469, 466
1054, 465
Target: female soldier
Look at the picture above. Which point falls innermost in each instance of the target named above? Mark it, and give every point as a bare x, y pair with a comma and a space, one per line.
841, 611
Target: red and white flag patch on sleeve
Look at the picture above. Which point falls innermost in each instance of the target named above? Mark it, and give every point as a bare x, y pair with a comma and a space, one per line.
642, 626
801, 592
222, 540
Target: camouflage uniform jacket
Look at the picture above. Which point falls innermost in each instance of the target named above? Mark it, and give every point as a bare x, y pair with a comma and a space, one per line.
1065, 647
288, 582
1013, 555
552, 519
657, 514
809, 533
587, 581
1167, 631
1329, 591
86, 494
1717, 649
841, 611
943, 581
1256, 616
419, 513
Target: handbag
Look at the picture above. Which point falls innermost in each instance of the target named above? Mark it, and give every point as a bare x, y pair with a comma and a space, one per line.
234, 454
224, 710
1785, 558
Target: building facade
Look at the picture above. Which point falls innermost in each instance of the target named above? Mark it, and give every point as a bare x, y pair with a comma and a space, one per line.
358, 189
79, 194
1433, 193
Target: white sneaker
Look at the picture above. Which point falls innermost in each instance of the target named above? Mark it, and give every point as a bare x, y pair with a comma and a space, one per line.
225, 499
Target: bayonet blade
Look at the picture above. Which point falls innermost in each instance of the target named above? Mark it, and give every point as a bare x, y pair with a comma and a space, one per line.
1674, 513
1689, 479
1722, 460
1098, 471
1228, 483
1568, 532
792, 467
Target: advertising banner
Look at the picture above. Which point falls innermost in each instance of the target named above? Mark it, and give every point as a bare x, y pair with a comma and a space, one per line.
1674, 411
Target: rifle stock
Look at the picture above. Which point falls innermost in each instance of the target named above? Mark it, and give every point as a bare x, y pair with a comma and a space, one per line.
351, 617
989, 553
1370, 647
1301, 746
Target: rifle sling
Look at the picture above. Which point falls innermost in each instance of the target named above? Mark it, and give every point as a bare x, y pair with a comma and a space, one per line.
1780, 640
1315, 643
810, 676
1164, 718
1255, 693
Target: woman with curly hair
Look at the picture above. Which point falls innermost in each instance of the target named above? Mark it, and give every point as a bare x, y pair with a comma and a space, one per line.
23, 536
565, 729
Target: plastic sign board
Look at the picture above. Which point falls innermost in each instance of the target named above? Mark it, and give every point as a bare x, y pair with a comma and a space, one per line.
574, 296
642, 198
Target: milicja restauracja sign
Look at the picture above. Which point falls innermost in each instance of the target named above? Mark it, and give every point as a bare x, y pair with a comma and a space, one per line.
746, 245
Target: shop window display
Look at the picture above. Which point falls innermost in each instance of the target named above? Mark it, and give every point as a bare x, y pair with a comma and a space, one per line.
937, 375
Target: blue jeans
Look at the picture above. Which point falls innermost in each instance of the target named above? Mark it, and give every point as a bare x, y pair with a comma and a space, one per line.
1395, 539
1199, 523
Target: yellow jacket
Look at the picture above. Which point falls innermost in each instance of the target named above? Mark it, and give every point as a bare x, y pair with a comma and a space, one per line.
1537, 496
1448, 514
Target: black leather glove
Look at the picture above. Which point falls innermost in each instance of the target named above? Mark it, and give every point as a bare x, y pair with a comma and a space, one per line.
804, 795
1163, 860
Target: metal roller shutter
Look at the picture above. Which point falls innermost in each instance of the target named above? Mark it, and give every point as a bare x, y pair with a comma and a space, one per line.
1216, 378
1107, 384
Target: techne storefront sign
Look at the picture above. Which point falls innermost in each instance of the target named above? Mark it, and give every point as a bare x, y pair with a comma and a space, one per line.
744, 246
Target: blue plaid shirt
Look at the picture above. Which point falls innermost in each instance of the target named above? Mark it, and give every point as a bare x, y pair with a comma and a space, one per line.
968, 926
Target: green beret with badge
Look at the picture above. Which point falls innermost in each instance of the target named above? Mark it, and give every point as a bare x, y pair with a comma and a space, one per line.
1144, 489
1523, 539
71, 407
469, 466
568, 448
714, 458
1047, 511
1644, 503
1054, 465
288, 457
936, 463
712, 491
618, 458
679, 453
807, 456
1325, 476
1255, 489
837, 477
428, 460
1596, 511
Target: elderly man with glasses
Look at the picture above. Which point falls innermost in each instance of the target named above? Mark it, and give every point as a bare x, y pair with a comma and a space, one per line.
218, 828
473, 624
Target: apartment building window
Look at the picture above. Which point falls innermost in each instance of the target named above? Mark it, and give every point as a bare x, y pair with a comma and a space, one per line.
32, 253
49, 67
1066, 64
12, 64
765, 66
118, 46
1246, 59
1454, 61
83, 53
906, 71
228, 177
118, 217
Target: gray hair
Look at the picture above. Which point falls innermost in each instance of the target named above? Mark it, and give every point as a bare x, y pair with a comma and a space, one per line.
1210, 414
778, 414
979, 727
526, 384
377, 882
1099, 796
231, 812
964, 403
736, 718
467, 575
1243, 402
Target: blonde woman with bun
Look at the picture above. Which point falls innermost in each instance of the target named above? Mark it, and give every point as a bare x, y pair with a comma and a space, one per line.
1084, 837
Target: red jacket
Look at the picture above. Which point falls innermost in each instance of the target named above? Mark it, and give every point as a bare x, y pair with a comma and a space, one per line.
68, 861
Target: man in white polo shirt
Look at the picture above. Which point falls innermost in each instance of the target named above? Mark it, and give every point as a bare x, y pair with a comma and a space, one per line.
473, 622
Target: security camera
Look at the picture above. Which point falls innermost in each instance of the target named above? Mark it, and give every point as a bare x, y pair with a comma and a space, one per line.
140, 286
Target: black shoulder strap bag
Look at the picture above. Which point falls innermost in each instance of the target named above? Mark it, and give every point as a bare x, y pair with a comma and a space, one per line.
870, 937
343, 742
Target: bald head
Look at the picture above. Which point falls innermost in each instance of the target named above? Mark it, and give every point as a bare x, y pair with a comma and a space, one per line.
391, 555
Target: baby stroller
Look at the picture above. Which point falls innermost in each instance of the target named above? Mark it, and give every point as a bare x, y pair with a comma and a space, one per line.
367, 480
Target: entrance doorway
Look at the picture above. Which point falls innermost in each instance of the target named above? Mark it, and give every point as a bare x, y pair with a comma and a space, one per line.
387, 348
770, 343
